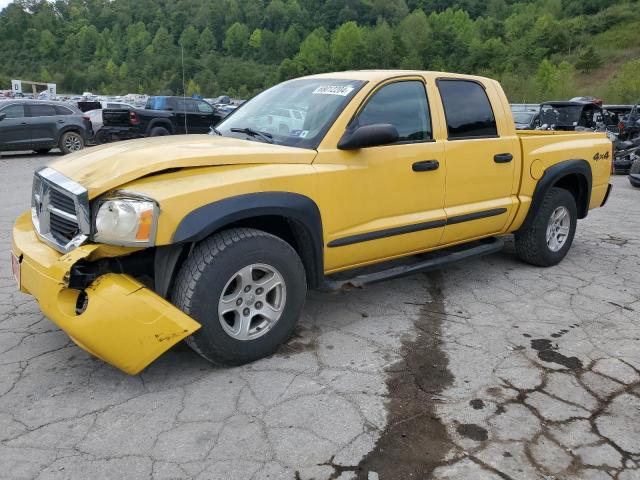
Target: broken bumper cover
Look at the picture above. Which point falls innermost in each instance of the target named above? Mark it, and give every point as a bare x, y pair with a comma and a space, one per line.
124, 323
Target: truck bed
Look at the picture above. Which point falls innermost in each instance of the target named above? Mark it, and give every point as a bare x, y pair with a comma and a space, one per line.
542, 149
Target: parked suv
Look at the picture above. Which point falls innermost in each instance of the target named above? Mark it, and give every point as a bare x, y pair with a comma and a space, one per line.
40, 126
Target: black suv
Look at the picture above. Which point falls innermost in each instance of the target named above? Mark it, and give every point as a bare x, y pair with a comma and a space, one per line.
40, 126
161, 116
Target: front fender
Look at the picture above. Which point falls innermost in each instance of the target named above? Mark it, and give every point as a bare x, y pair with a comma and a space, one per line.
203, 221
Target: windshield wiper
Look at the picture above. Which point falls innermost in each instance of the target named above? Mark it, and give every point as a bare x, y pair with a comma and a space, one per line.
266, 137
215, 130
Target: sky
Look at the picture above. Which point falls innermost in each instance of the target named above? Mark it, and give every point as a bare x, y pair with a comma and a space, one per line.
4, 3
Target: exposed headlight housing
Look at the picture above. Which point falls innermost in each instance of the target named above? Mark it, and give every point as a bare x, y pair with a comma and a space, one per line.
125, 219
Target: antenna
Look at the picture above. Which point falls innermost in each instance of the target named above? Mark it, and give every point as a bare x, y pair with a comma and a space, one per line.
184, 90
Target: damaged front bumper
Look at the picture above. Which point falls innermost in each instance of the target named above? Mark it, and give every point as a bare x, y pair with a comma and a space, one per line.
119, 320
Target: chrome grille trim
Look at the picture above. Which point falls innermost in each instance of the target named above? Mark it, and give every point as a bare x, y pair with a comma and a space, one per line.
56, 222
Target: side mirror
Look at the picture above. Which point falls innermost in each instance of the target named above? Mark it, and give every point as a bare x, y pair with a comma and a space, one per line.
369, 136
2, 116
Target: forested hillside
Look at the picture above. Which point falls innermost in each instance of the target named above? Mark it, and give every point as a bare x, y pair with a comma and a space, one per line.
539, 49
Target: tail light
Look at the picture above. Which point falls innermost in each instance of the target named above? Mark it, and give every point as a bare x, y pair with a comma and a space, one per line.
133, 118
621, 125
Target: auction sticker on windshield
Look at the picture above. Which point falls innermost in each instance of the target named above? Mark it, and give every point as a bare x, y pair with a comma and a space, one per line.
333, 90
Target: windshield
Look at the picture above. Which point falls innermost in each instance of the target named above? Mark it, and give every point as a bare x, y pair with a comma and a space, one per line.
296, 113
565, 115
522, 117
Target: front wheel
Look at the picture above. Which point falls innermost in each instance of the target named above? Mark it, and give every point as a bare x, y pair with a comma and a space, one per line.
549, 237
247, 289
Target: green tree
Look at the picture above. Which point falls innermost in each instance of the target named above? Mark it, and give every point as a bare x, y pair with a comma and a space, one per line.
236, 39
255, 40
193, 87
546, 78
625, 86
347, 46
47, 43
206, 42
313, 56
379, 46
189, 39
589, 60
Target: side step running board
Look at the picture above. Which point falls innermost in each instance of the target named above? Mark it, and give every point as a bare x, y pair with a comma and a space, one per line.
429, 261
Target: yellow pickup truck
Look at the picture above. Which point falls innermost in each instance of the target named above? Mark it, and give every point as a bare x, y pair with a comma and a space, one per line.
320, 181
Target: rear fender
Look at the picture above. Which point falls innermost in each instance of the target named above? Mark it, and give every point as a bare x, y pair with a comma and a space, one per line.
554, 175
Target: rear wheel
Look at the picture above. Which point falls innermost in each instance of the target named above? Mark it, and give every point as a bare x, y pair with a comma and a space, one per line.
71, 142
549, 237
247, 289
159, 132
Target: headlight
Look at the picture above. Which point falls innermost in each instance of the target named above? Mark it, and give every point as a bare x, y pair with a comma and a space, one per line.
126, 220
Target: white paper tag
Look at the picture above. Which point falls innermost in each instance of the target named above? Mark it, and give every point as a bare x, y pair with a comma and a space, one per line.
333, 90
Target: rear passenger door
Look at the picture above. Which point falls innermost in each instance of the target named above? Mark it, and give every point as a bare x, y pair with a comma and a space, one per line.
43, 124
481, 155
14, 128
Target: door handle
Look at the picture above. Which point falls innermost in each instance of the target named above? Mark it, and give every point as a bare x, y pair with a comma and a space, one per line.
425, 166
60, 121
503, 158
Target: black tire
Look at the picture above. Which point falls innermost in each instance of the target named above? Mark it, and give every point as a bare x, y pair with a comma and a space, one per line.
101, 137
71, 142
159, 132
531, 244
203, 276
42, 151
635, 167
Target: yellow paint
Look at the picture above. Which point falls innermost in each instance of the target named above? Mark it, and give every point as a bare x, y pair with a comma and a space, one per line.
537, 169
356, 191
125, 324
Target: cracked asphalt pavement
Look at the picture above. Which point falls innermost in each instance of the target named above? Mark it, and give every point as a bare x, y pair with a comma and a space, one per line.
491, 369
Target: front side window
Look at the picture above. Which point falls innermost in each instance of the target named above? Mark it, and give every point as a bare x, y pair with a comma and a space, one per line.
467, 109
14, 111
41, 110
319, 101
204, 107
403, 105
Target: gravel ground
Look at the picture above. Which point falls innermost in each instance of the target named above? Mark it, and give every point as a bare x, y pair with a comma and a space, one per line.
488, 370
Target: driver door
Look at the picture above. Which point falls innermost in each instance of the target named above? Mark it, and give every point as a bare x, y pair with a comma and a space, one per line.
385, 201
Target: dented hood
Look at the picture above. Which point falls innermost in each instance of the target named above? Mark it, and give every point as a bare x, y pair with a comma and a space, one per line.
103, 168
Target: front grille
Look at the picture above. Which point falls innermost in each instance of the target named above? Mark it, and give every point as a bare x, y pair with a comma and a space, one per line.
60, 210
63, 202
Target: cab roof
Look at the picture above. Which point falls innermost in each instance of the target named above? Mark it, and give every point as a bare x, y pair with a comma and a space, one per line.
380, 75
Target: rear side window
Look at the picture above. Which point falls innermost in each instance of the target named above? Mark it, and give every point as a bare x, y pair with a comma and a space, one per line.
403, 105
14, 111
60, 110
157, 103
36, 110
467, 109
